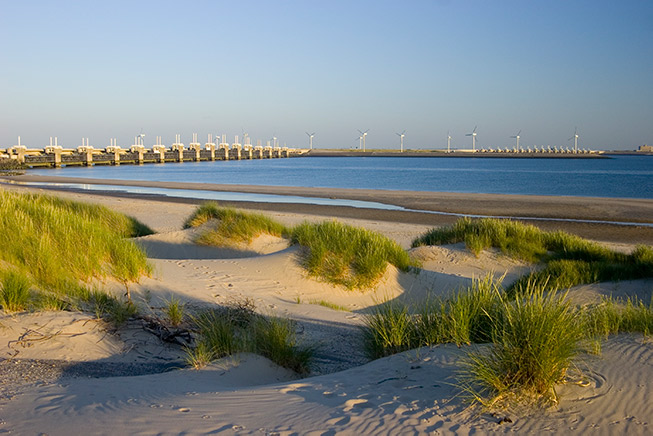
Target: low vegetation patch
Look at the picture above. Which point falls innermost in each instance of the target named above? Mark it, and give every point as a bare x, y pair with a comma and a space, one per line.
14, 291
464, 318
11, 167
535, 340
330, 305
568, 259
534, 337
174, 311
346, 255
54, 248
232, 226
238, 328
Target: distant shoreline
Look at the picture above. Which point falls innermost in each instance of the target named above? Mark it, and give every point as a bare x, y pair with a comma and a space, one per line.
453, 154
420, 205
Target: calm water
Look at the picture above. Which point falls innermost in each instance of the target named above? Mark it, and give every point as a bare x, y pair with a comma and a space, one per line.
623, 176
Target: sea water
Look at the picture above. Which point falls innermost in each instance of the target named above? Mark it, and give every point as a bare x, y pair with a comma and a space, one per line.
621, 176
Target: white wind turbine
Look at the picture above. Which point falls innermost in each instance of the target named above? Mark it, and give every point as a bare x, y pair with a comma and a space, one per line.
448, 142
401, 140
363, 135
575, 138
473, 135
141, 138
517, 138
310, 139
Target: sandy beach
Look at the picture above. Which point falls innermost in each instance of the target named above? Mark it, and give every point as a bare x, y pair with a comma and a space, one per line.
62, 372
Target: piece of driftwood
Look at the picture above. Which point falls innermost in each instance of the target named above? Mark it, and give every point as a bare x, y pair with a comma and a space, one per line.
154, 325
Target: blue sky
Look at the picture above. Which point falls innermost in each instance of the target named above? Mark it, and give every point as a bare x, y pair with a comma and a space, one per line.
109, 69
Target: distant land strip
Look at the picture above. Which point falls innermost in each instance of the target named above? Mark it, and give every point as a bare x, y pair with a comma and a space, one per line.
455, 154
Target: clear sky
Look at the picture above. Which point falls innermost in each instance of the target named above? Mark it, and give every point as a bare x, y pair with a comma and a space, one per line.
94, 69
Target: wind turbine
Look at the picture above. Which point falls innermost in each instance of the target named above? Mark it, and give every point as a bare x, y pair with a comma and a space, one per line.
473, 135
310, 139
360, 142
363, 135
517, 138
448, 142
401, 140
141, 137
575, 138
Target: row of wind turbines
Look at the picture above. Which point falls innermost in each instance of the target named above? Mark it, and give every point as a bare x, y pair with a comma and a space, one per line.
517, 137
363, 135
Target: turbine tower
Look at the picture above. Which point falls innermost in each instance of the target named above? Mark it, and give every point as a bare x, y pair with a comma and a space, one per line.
448, 142
517, 138
363, 135
575, 138
310, 139
141, 137
473, 135
401, 140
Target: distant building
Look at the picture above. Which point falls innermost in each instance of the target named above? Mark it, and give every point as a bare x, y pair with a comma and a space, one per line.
645, 148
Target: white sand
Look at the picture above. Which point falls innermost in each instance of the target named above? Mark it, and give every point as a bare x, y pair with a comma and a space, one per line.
409, 393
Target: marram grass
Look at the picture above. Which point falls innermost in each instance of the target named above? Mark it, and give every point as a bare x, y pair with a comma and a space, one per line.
534, 337
535, 341
232, 226
569, 260
237, 328
349, 256
61, 246
337, 253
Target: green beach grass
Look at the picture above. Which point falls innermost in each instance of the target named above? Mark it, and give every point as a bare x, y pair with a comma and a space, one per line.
60, 247
238, 328
334, 252
568, 259
232, 227
534, 338
349, 256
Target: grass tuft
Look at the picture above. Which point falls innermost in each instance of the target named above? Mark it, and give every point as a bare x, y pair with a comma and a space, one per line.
534, 343
233, 227
174, 311
275, 339
329, 305
236, 328
14, 291
346, 255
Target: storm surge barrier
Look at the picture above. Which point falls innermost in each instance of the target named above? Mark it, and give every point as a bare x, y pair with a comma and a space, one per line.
57, 156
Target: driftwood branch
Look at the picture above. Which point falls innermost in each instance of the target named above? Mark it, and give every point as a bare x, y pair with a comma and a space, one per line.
154, 325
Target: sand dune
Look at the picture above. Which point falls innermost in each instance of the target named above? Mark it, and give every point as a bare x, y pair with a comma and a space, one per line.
409, 393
